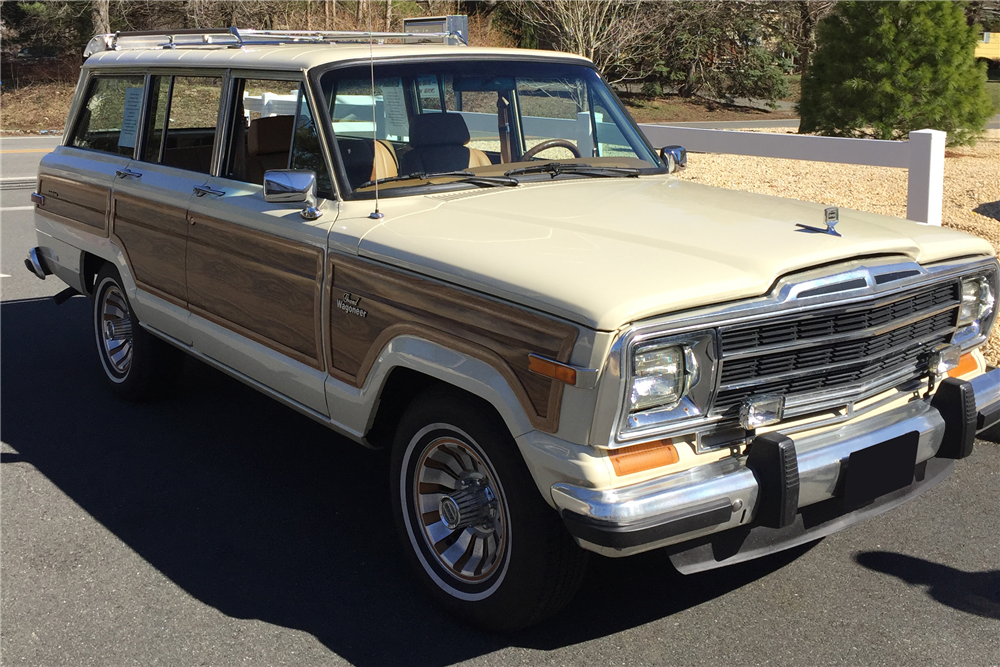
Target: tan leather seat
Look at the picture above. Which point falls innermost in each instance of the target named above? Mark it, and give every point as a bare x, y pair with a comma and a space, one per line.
268, 143
385, 165
438, 143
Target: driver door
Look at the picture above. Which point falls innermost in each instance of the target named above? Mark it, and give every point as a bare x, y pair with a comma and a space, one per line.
255, 270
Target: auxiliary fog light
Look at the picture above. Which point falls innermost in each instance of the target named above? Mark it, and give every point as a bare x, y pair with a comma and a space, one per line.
944, 358
758, 411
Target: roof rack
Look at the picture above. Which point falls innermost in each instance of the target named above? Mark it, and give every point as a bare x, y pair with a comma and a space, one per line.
235, 38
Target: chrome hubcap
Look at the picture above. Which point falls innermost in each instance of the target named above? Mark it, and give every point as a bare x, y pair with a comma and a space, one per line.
116, 330
461, 515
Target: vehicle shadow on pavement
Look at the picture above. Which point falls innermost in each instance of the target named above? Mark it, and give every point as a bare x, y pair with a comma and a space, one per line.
262, 513
972, 592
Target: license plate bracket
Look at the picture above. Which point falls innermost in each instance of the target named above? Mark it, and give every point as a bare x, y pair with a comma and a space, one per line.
879, 469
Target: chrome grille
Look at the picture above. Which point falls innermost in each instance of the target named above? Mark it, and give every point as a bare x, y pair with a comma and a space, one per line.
877, 343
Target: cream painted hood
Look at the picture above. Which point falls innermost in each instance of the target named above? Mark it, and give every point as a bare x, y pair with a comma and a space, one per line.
604, 252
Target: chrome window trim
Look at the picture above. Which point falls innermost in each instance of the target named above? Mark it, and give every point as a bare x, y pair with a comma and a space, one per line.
610, 417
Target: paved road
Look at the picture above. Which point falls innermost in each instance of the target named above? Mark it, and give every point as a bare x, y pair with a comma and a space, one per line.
216, 527
19, 156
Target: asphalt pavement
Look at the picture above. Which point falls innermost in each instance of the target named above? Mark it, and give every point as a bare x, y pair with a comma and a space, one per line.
216, 527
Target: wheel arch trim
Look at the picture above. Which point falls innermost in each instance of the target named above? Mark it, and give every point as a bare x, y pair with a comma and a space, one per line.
435, 360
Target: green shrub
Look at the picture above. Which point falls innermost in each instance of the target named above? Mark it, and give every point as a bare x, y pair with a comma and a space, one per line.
883, 69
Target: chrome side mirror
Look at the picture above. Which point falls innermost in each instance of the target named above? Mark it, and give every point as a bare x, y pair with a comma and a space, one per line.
282, 186
675, 157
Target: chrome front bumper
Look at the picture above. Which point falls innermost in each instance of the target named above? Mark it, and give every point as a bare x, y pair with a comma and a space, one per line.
687, 508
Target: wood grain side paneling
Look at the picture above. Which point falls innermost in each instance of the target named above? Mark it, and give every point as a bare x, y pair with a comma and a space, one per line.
153, 236
262, 286
83, 203
396, 302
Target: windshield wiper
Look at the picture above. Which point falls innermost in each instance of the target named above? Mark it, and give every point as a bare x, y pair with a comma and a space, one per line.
557, 168
469, 177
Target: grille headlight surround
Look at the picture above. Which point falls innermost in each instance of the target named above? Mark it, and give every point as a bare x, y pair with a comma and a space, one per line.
978, 308
669, 379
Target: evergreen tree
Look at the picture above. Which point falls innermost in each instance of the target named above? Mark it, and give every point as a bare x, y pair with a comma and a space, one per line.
883, 69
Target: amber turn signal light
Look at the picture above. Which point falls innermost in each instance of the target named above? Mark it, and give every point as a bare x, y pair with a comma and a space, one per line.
966, 364
646, 456
551, 369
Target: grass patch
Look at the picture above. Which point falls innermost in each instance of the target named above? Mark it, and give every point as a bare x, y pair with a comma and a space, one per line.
993, 90
41, 106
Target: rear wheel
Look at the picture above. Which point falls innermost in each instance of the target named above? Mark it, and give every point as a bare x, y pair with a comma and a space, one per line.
136, 364
471, 518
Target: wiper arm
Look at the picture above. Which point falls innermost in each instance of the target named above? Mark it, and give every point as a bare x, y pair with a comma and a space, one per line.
469, 177
556, 168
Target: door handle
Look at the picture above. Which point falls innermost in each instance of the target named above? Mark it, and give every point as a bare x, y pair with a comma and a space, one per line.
122, 173
202, 190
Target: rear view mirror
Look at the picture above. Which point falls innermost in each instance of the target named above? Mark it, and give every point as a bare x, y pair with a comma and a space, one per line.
282, 186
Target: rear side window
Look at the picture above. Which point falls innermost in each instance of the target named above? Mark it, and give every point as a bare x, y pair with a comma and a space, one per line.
184, 112
109, 121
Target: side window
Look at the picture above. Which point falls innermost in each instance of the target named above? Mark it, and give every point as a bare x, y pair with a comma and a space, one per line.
184, 112
109, 120
306, 152
272, 128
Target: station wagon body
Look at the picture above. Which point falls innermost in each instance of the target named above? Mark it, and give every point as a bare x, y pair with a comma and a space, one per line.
473, 257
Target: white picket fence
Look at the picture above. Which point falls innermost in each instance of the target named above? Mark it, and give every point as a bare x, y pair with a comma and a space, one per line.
922, 156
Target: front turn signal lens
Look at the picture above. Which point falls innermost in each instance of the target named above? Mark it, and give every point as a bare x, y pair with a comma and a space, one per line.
966, 364
552, 369
646, 456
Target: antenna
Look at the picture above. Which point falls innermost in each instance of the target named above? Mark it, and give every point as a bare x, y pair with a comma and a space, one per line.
376, 214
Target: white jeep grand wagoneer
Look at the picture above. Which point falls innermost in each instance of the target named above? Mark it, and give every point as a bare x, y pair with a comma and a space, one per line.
473, 257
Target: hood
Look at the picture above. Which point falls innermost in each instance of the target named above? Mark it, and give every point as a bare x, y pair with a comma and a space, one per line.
604, 252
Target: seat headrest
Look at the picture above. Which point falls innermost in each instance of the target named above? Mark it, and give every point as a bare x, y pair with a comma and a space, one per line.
270, 135
438, 129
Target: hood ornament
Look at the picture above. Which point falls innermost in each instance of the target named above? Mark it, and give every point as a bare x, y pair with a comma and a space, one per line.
832, 217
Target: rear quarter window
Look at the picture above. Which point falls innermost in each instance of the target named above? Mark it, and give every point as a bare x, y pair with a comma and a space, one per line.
109, 119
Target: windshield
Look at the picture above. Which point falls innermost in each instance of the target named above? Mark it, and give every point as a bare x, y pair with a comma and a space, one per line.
453, 124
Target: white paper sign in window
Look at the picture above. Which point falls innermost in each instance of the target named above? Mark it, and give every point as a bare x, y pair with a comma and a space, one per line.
428, 88
397, 125
130, 117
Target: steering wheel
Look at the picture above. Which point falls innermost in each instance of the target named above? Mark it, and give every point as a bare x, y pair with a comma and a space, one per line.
551, 143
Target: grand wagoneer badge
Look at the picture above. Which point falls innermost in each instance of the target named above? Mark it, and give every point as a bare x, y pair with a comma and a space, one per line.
349, 304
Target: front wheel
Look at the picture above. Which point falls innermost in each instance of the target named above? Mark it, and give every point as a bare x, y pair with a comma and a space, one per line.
136, 364
472, 520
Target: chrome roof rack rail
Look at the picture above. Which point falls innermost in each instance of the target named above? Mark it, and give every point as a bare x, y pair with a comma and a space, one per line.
236, 38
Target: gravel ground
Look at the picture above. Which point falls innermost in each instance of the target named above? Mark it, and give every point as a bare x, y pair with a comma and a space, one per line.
971, 188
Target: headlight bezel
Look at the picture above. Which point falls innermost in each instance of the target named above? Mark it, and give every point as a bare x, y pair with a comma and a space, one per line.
973, 331
700, 354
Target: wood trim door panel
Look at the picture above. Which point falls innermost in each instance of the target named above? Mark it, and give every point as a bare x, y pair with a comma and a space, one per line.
263, 286
83, 203
394, 302
153, 236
